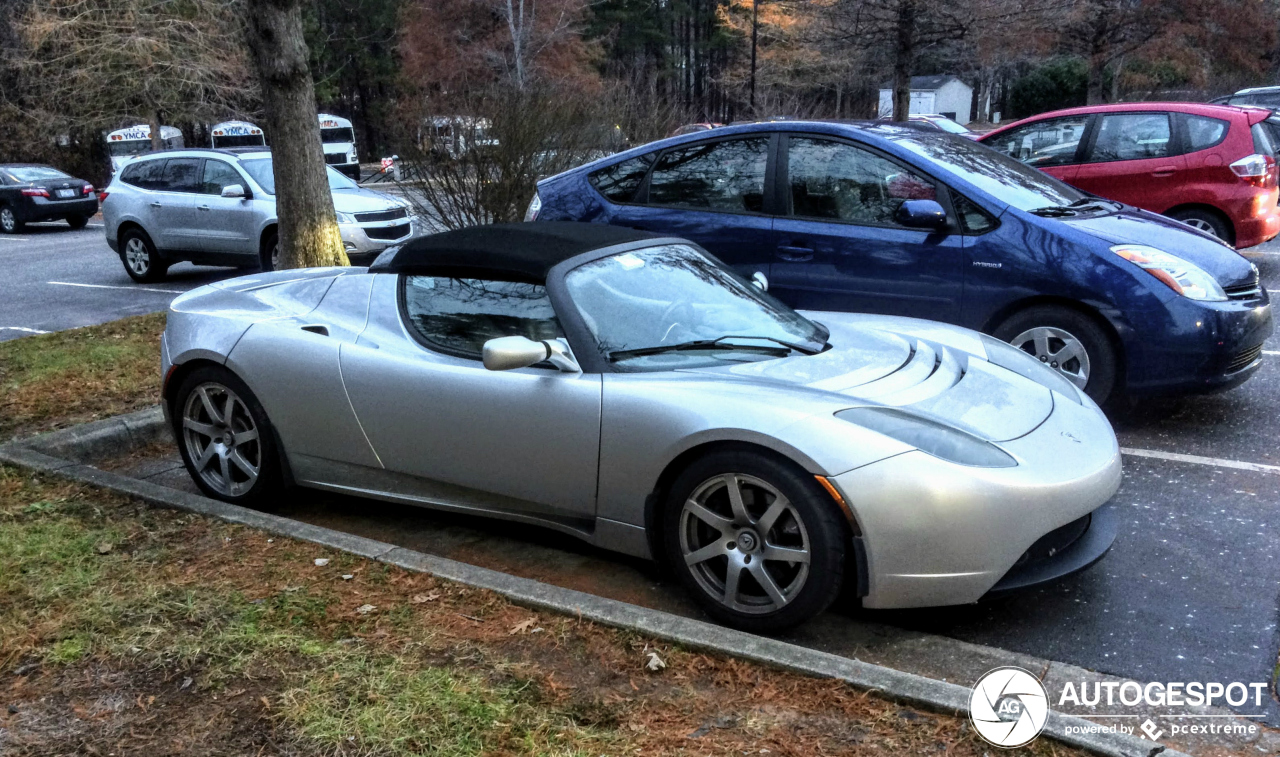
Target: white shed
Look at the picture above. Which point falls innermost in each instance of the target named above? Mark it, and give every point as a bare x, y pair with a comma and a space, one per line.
933, 95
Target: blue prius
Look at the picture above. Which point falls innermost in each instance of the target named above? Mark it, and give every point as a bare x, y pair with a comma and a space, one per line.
888, 219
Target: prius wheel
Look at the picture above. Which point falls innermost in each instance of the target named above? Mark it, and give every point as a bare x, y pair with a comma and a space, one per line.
140, 259
9, 223
756, 540
1069, 342
225, 438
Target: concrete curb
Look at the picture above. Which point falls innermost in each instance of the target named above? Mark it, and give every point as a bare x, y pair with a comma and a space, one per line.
81, 443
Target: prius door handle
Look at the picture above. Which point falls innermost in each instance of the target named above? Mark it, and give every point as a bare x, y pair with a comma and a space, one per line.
795, 254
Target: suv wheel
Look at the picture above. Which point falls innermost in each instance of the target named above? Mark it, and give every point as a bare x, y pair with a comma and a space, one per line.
271, 252
139, 256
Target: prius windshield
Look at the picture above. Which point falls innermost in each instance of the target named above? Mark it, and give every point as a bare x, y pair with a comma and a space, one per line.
262, 172
666, 307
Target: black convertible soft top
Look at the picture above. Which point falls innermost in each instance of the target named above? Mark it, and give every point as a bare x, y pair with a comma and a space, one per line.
505, 251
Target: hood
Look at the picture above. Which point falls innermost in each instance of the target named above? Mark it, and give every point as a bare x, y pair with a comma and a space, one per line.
1140, 227
876, 361
363, 201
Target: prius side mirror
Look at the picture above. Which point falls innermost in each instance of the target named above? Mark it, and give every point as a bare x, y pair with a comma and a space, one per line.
507, 353
921, 214
234, 191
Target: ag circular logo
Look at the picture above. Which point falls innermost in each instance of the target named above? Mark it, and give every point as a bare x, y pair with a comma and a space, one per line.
1008, 707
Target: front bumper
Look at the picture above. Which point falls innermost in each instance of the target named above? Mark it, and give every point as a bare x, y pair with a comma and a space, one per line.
1061, 552
365, 241
937, 533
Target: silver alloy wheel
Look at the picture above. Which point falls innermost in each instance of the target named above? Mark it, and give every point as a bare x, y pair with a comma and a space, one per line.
221, 439
136, 256
1201, 224
8, 221
1058, 349
745, 543
275, 255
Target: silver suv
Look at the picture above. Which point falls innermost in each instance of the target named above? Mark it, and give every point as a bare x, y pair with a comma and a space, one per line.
218, 207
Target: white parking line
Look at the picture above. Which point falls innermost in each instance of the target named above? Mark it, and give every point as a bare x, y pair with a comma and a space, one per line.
7, 238
111, 286
22, 328
1271, 352
1216, 462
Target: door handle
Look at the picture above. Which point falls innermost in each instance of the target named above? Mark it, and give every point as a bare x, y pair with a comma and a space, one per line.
202, 207
155, 204
1163, 171
795, 254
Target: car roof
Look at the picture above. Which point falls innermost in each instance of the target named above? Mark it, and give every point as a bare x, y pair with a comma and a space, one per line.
504, 251
1258, 90
1200, 109
28, 165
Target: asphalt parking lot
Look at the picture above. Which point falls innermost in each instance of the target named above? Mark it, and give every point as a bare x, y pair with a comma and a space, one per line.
1190, 591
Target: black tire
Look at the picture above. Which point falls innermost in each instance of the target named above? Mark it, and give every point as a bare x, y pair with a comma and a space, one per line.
199, 431
269, 255
813, 523
78, 222
9, 223
1206, 221
1101, 371
139, 257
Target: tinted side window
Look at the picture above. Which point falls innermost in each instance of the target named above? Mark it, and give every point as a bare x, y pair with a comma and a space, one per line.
182, 175
839, 181
217, 175
619, 182
973, 219
1043, 143
147, 174
459, 315
726, 175
1131, 136
1262, 140
1204, 132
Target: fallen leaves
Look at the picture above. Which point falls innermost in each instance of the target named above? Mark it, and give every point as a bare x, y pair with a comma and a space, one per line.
525, 626
365, 609
653, 663
424, 598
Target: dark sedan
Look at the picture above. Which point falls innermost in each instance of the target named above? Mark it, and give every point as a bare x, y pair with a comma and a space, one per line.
31, 192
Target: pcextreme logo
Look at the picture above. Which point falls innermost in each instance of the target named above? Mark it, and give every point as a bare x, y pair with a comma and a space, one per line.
1008, 707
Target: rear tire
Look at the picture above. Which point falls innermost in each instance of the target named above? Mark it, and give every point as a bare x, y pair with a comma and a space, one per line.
78, 222
1070, 342
1206, 221
226, 439
271, 251
9, 223
735, 558
139, 257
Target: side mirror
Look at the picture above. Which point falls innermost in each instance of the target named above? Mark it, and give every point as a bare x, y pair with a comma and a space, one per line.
760, 281
921, 214
507, 353
233, 190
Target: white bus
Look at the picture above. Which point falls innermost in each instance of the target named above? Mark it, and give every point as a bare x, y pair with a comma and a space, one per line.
339, 141
125, 143
236, 134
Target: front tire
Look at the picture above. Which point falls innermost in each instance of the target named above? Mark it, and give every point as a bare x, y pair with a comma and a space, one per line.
756, 541
225, 438
1071, 343
139, 257
271, 251
9, 223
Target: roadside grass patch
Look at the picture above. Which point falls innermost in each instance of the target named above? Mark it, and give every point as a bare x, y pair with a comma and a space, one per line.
78, 375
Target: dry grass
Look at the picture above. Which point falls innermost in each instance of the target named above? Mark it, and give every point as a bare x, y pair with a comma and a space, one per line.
133, 630
67, 377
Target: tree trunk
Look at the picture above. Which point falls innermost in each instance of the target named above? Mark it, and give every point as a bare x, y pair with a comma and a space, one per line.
755, 30
157, 135
308, 228
904, 59
1095, 92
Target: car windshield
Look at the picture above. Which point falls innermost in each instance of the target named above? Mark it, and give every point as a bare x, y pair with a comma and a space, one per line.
337, 135
35, 173
666, 307
1004, 178
262, 172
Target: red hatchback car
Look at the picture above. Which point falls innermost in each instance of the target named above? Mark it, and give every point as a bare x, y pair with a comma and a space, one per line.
1212, 167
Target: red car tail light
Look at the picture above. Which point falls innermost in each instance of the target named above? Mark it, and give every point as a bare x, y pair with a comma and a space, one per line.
1256, 170
35, 192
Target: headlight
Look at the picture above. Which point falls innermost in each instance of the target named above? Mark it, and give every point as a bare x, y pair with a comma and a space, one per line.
1187, 279
346, 218
929, 436
1013, 359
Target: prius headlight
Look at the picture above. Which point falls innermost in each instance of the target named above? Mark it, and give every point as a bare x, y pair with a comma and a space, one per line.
937, 439
1187, 279
1013, 359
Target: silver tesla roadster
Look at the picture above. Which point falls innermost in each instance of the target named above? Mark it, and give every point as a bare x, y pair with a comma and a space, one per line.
631, 390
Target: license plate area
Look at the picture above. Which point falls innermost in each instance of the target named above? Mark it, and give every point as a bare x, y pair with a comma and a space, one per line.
65, 194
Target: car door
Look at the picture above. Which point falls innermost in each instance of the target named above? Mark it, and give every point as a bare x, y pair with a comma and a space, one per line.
227, 224
1130, 158
839, 246
525, 440
1054, 145
713, 193
173, 206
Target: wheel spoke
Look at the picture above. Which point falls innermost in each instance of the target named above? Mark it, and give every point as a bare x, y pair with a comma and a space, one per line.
204, 429
714, 549
718, 522
229, 408
786, 554
1042, 345
244, 465
734, 488
731, 577
225, 463
771, 515
243, 437
203, 392
205, 457
767, 583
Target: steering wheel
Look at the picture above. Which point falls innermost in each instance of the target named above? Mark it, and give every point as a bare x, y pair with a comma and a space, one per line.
678, 313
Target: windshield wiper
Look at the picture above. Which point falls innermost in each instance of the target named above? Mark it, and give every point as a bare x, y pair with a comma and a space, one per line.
714, 344
1083, 204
